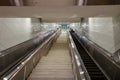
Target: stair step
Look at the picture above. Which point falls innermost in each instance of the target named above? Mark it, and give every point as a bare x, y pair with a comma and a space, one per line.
56, 65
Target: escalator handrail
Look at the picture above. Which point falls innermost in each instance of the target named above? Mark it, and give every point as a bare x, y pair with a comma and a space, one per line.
21, 51
107, 54
2, 52
16, 70
80, 64
92, 58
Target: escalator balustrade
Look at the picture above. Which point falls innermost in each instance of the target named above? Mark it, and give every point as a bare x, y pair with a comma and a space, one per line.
93, 70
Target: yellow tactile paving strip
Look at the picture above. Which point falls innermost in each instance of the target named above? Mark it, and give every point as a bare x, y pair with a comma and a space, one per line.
57, 64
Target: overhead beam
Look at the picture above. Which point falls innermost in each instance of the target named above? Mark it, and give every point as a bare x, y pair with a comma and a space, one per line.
60, 12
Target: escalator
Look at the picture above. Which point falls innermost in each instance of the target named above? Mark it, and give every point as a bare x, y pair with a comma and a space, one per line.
93, 70
56, 60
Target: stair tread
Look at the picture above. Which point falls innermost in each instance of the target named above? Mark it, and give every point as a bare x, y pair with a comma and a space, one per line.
56, 65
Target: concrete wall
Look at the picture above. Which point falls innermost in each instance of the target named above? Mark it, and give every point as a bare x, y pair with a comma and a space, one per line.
16, 30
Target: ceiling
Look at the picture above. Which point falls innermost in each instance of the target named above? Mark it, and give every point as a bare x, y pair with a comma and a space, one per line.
61, 14
57, 2
59, 10
47, 3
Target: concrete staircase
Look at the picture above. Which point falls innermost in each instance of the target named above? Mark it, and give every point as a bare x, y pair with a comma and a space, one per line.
57, 64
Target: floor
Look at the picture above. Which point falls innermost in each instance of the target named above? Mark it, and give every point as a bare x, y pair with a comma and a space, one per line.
57, 64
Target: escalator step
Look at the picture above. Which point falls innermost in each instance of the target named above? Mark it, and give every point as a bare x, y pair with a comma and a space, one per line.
91, 67
99, 73
95, 75
86, 59
88, 62
98, 78
93, 70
